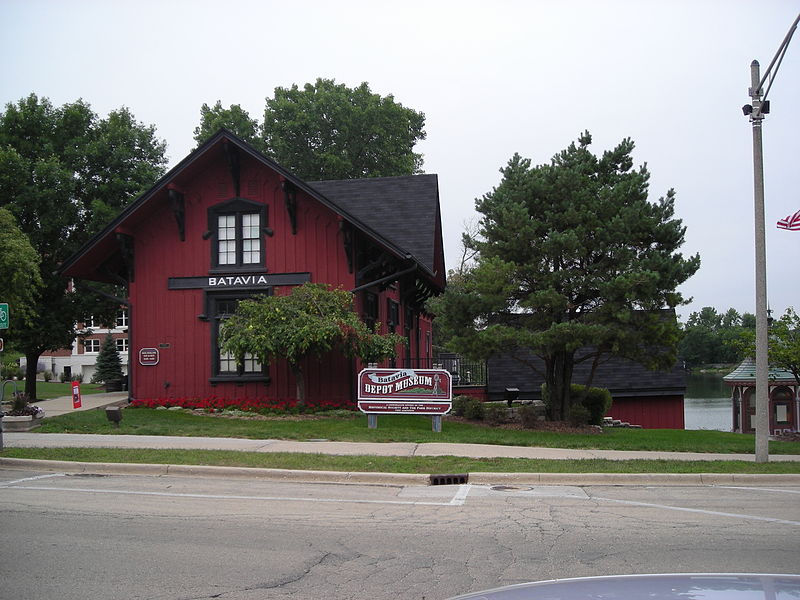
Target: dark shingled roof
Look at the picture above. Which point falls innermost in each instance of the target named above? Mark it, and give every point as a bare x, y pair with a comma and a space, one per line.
622, 377
400, 213
402, 209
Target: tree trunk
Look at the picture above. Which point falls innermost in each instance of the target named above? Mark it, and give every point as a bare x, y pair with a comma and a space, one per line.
558, 378
301, 383
592, 371
32, 361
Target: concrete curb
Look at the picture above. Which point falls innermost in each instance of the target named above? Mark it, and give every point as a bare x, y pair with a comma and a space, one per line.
637, 479
214, 471
363, 478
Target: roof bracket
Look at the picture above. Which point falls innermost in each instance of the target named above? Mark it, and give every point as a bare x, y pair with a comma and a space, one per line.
125, 243
290, 196
232, 156
179, 210
347, 241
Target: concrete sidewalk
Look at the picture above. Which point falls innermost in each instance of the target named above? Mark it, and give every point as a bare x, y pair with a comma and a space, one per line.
71, 440
63, 405
66, 440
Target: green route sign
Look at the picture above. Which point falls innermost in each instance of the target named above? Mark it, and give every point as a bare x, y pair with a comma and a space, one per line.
3, 315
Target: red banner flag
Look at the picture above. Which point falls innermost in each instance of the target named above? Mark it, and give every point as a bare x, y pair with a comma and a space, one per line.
792, 222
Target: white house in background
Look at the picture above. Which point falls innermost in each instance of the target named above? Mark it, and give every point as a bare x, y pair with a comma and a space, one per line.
81, 358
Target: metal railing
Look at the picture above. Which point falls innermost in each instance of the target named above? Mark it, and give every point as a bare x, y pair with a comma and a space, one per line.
464, 372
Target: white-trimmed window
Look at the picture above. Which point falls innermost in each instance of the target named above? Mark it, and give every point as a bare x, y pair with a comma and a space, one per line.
122, 318
91, 346
122, 344
237, 228
226, 366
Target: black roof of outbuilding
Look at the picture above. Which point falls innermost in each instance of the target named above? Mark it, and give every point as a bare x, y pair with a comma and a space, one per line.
402, 209
621, 376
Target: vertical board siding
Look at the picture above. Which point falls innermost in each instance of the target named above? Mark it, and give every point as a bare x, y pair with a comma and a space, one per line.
170, 320
650, 412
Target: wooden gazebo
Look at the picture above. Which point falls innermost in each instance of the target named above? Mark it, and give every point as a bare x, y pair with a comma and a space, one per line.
784, 399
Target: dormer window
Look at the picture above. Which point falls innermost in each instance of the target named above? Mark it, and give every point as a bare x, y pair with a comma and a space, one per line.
239, 239
237, 228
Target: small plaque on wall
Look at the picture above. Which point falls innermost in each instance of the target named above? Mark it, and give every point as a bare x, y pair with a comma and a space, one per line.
148, 357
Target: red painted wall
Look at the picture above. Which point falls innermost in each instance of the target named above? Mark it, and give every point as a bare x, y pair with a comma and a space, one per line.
170, 319
664, 412
479, 392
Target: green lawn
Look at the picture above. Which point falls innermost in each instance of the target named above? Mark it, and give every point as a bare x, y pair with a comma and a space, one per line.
382, 464
401, 428
45, 390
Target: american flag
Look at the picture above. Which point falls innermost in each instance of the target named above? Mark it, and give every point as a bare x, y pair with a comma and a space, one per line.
792, 222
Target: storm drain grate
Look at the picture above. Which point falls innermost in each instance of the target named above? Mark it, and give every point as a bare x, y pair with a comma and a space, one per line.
456, 479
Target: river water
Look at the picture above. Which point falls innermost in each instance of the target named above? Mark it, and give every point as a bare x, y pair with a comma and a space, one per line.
707, 404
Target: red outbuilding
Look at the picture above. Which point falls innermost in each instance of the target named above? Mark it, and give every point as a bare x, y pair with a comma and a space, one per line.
228, 223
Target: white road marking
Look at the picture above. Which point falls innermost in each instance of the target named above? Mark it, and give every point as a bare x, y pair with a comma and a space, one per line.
782, 491
461, 495
456, 501
459, 499
16, 481
699, 511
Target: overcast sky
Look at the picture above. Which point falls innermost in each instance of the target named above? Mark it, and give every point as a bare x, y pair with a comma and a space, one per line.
493, 78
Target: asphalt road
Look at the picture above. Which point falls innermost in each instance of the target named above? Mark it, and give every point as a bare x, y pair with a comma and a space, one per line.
169, 537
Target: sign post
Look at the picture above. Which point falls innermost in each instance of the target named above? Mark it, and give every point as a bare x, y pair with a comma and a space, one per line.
406, 392
76, 394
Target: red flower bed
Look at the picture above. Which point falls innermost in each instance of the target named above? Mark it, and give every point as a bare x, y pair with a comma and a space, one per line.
216, 403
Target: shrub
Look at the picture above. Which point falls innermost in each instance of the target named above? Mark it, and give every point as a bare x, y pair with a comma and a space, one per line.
47, 375
19, 402
475, 410
260, 405
12, 369
495, 414
578, 415
597, 402
528, 416
459, 406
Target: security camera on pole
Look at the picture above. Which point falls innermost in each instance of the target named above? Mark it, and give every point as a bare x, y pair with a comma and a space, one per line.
756, 110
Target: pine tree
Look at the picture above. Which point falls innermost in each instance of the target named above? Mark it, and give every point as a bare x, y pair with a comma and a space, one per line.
570, 255
109, 365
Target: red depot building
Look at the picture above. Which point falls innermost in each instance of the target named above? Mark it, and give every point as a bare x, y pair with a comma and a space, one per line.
228, 223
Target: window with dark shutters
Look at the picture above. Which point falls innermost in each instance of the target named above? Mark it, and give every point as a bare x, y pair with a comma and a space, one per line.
237, 229
224, 365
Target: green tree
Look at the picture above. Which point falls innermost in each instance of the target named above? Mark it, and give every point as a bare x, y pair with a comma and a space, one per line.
572, 255
329, 131
783, 345
748, 320
311, 320
63, 173
731, 318
234, 119
20, 280
713, 338
109, 365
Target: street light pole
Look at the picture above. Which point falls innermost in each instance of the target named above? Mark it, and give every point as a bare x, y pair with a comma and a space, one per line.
762, 366
757, 109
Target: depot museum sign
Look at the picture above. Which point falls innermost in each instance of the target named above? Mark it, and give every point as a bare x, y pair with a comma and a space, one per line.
405, 391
